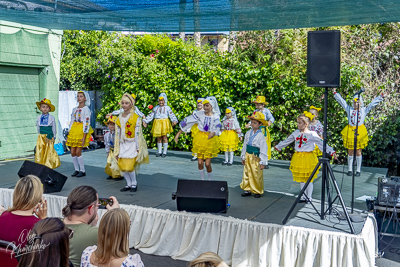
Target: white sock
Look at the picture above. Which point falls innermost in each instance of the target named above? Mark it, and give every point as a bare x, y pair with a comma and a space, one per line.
133, 178
209, 174
159, 147
226, 156
231, 157
81, 164
165, 146
75, 162
350, 163
201, 174
359, 160
127, 178
309, 190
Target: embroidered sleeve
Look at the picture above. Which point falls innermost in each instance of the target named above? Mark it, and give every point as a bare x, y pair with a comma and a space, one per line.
263, 150
286, 142
236, 126
373, 104
137, 111
171, 115
150, 117
268, 115
53, 125
86, 119
215, 125
342, 102
137, 129
107, 141
246, 139
72, 119
187, 123
319, 142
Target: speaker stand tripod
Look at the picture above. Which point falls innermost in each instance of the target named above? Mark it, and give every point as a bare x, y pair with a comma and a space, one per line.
327, 177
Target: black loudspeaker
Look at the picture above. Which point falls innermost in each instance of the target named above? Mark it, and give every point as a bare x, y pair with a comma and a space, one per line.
52, 180
389, 191
323, 59
201, 196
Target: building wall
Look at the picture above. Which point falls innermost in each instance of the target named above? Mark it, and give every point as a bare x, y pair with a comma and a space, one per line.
29, 72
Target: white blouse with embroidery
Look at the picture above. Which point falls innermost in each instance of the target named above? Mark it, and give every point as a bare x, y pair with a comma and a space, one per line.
304, 142
318, 128
258, 141
231, 124
161, 113
352, 114
205, 123
128, 147
81, 115
49, 121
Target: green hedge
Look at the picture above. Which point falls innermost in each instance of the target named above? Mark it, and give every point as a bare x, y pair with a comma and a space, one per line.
270, 63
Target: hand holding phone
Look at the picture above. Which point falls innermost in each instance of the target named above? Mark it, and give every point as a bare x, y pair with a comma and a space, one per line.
103, 202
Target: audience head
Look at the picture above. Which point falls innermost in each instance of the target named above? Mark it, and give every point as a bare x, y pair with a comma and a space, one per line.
113, 239
48, 243
82, 202
27, 193
208, 259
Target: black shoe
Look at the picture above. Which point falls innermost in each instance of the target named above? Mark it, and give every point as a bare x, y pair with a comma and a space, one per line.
229, 164
158, 155
193, 159
358, 174
224, 163
109, 178
75, 173
257, 195
119, 178
81, 174
266, 167
349, 173
246, 194
134, 189
302, 200
126, 188
163, 155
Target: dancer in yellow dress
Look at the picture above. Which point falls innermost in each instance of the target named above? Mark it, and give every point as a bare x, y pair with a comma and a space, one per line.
47, 130
230, 136
206, 141
254, 157
79, 132
304, 160
161, 125
348, 131
130, 147
111, 168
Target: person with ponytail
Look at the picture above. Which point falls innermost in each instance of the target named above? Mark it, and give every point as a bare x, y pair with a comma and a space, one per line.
80, 215
304, 159
48, 245
130, 148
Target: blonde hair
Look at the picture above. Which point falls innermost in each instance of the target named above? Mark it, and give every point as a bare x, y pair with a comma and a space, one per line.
208, 259
113, 236
304, 118
27, 193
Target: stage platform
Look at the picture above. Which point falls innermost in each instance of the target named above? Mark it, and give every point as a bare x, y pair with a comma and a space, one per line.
249, 234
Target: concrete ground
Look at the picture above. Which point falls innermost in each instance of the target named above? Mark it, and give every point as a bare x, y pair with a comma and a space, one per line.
158, 180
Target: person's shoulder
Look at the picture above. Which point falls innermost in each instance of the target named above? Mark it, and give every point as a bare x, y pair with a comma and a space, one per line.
83, 229
133, 260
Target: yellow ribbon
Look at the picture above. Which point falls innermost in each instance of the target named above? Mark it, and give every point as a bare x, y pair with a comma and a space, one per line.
317, 109
309, 115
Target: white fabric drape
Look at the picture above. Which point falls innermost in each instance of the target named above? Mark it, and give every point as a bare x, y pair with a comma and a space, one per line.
184, 236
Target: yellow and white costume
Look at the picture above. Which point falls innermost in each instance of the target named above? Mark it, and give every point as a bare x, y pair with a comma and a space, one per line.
304, 160
204, 147
47, 130
130, 145
254, 153
268, 117
229, 138
111, 168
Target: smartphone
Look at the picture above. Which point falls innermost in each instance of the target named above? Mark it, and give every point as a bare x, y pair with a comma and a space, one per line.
104, 201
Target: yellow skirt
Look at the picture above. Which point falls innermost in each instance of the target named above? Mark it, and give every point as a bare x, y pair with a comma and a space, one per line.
126, 164
253, 179
268, 140
229, 140
45, 152
76, 134
348, 136
302, 165
161, 127
194, 130
317, 151
112, 168
205, 148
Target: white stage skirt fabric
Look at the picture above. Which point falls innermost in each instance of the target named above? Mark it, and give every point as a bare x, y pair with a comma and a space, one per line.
184, 236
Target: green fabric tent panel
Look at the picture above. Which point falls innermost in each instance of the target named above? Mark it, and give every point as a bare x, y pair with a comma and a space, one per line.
19, 91
205, 15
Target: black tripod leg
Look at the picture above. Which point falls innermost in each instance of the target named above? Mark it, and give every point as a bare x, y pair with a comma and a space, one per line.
341, 199
301, 193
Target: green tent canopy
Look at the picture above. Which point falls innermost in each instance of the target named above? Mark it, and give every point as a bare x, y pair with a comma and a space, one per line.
196, 15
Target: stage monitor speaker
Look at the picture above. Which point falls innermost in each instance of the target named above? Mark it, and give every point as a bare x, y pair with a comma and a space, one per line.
52, 180
323, 59
389, 191
202, 196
